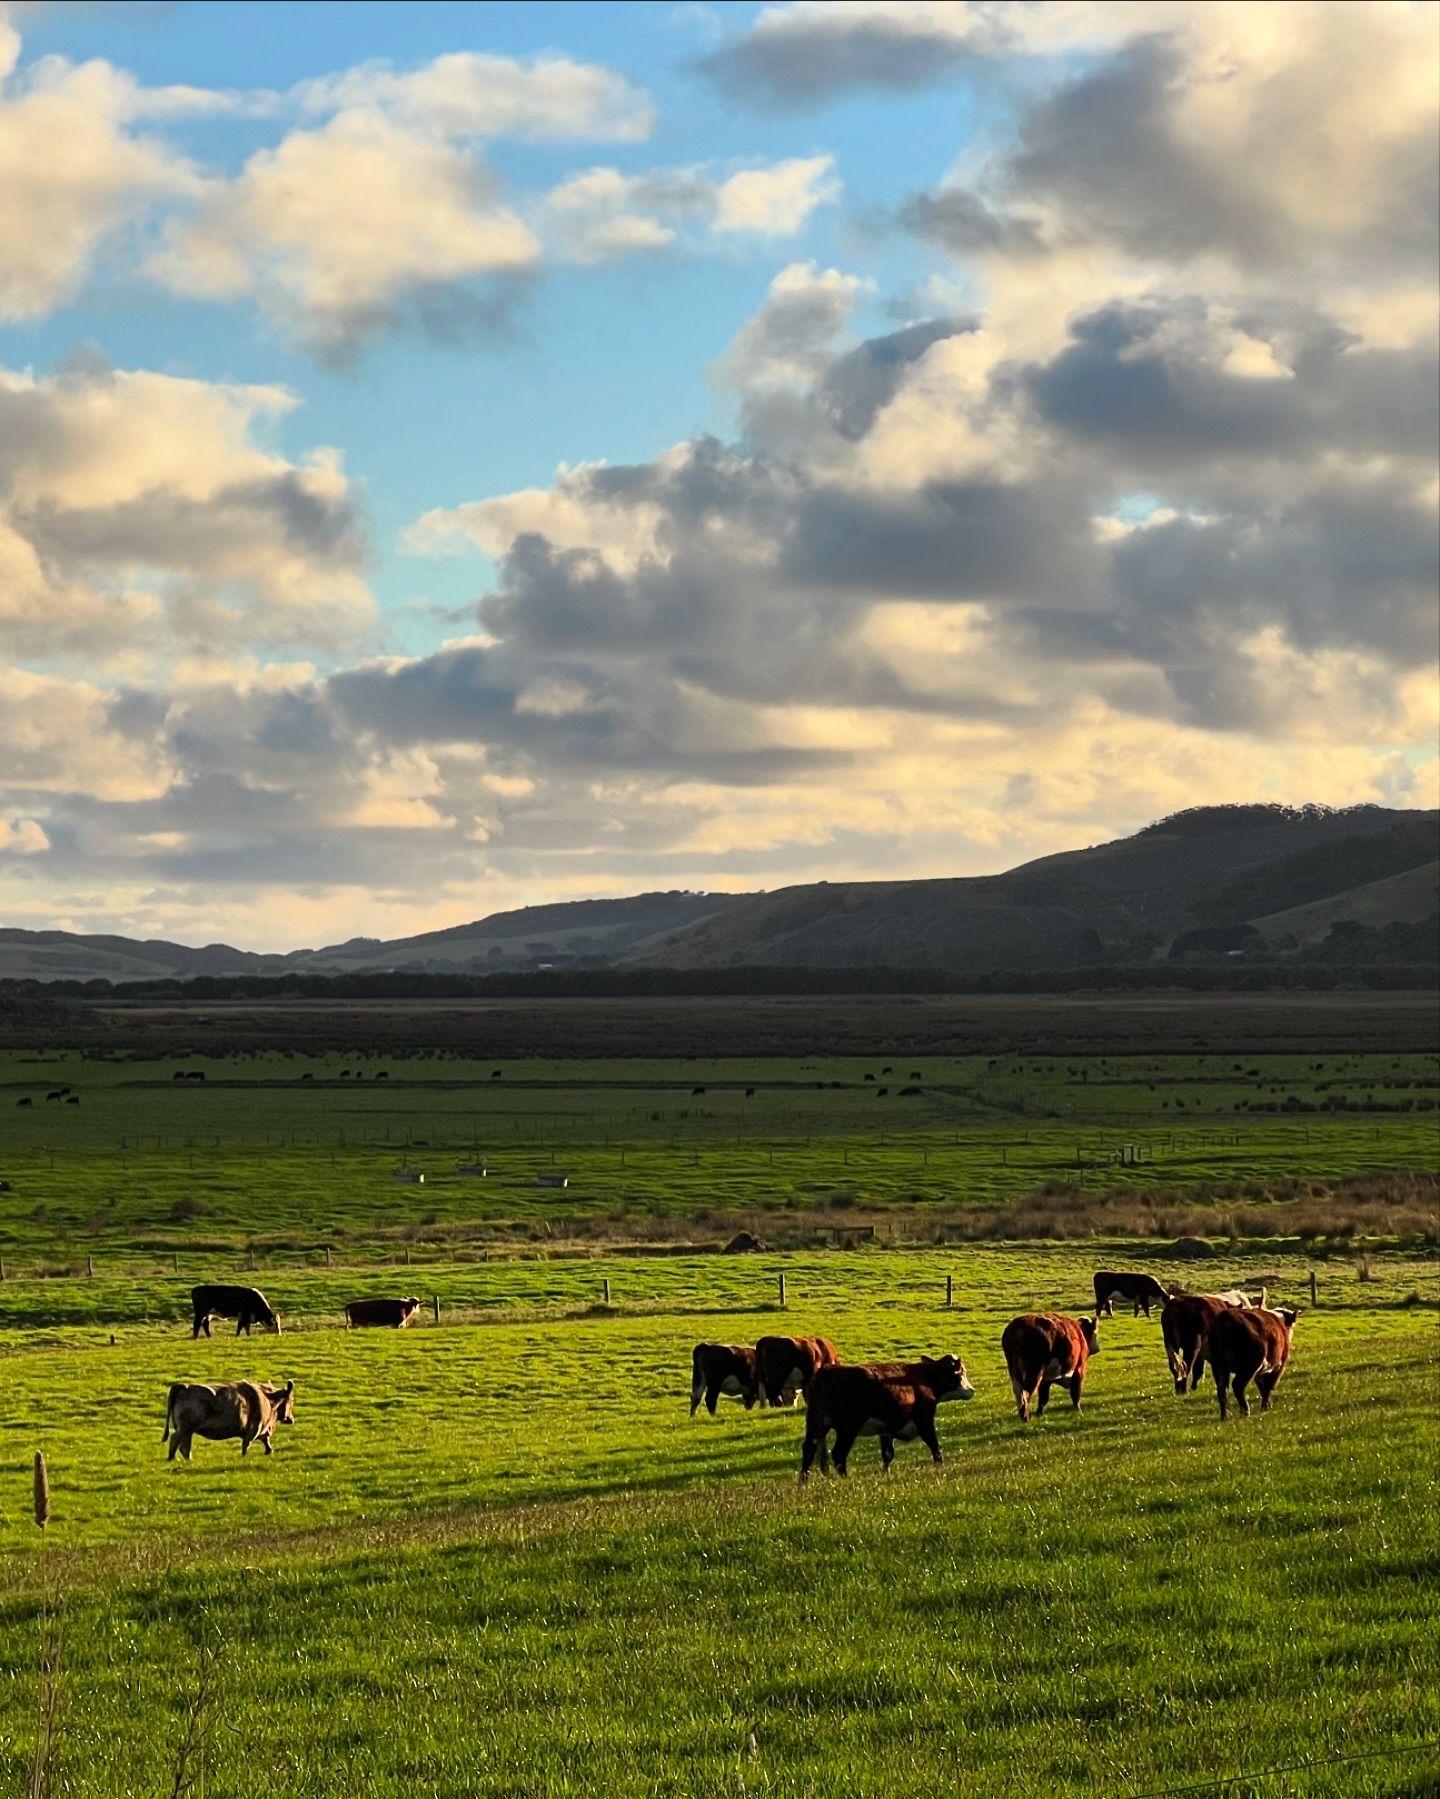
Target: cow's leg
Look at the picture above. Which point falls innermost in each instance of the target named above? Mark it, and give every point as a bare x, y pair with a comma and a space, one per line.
175, 1442
1241, 1382
1197, 1368
925, 1429
1076, 1382
1022, 1398
265, 1439
1042, 1396
844, 1443
887, 1453
1221, 1380
1265, 1386
712, 1399
185, 1444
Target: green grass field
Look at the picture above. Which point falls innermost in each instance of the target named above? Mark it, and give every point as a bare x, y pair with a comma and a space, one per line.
498, 1556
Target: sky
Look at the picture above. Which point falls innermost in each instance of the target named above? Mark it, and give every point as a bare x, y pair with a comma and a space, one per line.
460, 457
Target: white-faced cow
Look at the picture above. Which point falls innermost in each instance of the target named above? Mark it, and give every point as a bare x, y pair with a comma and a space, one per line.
1140, 1289
393, 1314
722, 1371
242, 1409
1044, 1349
1185, 1326
895, 1401
785, 1367
1253, 1344
246, 1305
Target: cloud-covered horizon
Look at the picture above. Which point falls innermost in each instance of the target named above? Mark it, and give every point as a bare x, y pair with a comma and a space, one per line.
1127, 502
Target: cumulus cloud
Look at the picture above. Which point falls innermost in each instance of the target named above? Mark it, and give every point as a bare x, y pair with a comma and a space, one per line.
73, 170
600, 213
140, 510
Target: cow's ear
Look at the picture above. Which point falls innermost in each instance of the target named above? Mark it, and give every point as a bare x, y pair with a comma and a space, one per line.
289, 1386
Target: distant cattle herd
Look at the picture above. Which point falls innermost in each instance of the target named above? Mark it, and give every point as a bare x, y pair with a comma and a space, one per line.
1244, 1340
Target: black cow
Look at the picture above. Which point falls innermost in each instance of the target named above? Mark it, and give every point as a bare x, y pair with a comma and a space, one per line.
24, 1102
1140, 1289
722, 1371
246, 1305
393, 1314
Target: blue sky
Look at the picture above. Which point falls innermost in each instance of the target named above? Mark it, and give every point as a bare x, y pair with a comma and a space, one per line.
452, 456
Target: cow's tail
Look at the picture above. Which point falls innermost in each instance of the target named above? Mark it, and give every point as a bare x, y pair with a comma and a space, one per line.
176, 1388
697, 1378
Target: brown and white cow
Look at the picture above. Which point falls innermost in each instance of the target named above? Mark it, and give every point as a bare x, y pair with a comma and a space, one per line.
895, 1401
1185, 1324
243, 1409
722, 1371
392, 1313
1044, 1349
1140, 1289
785, 1367
1250, 1345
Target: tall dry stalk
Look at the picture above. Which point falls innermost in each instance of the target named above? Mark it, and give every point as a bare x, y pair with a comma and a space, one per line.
192, 1758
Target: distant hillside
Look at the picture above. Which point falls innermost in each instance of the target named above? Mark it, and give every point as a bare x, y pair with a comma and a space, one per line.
1408, 898
67, 956
1116, 902
584, 930
1191, 885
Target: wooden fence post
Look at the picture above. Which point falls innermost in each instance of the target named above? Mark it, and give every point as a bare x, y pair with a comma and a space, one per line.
2, 1268
327, 1256
175, 1260
607, 1290
437, 1308
949, 1290
1314, 1298
90, 1266
782, 1289
407, 1255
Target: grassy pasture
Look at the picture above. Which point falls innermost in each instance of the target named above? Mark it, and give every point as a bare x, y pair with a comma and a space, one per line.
500, 1557
258, 1157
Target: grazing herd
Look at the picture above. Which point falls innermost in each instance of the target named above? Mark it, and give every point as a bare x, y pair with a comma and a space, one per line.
1243, 1338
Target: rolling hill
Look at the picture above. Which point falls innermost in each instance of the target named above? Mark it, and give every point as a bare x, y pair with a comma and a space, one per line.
1202, 882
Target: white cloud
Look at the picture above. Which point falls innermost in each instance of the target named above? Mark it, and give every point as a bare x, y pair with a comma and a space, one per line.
22, 837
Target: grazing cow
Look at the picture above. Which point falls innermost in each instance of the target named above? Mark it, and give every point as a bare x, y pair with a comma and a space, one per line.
246, 1305
785, 1367
57, 1094
497, 1074
1253, 1344
915, 1075
307, 1077
894, 1401
179, 1075
749, 1093
1043, 1349
243, 1409
384, 1075
888, 1069
72, 1099
196, 1074
869, 1077
1233, 1296
24, 1102
722, 1371
695, 1092
392, 1313
1185, 1324
1140, 1289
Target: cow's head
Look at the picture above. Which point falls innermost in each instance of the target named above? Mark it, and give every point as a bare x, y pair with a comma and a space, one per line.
946, 1378
271, 1320
283, 1399
1091, 1329
1287, 1316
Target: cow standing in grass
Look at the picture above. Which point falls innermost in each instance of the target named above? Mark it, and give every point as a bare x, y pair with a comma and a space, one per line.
895, 1401
392, 1314
1253, 1344
246, 1305
1185, 1325
785, 1367
242, 1409
1140, 1289
722, 1371
1044, 1349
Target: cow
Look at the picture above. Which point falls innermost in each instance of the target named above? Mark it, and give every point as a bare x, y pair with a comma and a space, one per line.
56, 1094
25, 1102
1043, 1349
722, 1370
72, 1099
1141, 1289
749, 1093
785, 1367
1185, 1324
394, 1313
894, 1401
246, 1305
243, 1409
1253, 1344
